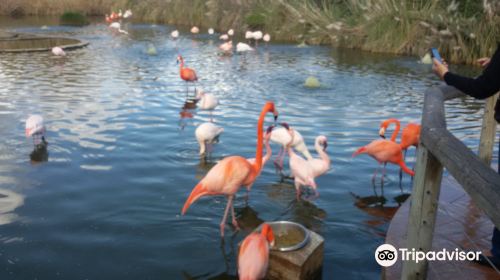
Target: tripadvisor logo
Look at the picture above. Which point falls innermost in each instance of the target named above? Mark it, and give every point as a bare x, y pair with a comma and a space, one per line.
387, 255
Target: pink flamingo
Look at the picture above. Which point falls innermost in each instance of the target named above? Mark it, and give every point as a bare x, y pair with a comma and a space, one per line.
384, 151
253, 258
187, 74
226, 177
282, 136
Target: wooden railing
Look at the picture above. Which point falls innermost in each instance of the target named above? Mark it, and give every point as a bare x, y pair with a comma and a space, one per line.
439, 149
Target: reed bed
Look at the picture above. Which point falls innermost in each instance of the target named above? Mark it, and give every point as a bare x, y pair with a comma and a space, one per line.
463, 30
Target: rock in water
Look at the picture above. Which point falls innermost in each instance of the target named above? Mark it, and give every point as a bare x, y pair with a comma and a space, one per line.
151, 50
427, 59
312, 82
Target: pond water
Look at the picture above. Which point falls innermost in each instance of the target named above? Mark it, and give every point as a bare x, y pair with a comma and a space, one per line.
121, 161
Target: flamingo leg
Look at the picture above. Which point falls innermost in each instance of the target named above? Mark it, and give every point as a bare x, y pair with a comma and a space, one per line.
297, 188
373, 181
223, 222
276, 161
234, 222
382, 179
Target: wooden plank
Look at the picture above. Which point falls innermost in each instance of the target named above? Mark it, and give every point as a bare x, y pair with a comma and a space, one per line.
488, 130
424, 203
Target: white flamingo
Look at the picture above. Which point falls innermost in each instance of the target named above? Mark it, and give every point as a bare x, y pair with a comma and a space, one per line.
282, 137
207, 134
58, 51
195, 30
242, 47
211, 31
300, 169
266, 38
117, 26
249, 35
257, 35
322, 164
35, 128
127, 14
230, 32
224, 37
175, 34
227, 47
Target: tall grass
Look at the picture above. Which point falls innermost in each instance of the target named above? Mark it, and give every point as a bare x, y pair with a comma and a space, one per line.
462, 29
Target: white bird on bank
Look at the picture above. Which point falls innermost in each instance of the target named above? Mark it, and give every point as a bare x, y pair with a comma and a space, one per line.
127, 14
206, 101
257, 35
242, 47
249, 35
230, 32
175, 34
195, 30
224, 37
206, 135
58, 51
211, 31
266, 38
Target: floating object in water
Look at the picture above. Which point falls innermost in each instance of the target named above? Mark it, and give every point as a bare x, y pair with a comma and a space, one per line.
44, 27
302, 45
426, 59
242, 47
195, 30
211, 31
175, 34
312, 82
151, 50
58, 51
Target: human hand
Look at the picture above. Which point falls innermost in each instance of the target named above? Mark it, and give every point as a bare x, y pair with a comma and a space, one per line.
484, 61
439, 68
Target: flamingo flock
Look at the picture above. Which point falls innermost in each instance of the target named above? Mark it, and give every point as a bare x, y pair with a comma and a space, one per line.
231, 173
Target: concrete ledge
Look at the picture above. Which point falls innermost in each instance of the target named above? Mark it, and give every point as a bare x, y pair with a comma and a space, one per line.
22, 42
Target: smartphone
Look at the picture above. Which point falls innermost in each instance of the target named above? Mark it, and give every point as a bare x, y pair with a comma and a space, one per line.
435, 54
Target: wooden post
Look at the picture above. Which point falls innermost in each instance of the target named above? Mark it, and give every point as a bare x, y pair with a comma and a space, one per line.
423, 210
488, 129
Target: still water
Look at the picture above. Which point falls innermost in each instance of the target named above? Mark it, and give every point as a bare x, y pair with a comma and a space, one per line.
122, 162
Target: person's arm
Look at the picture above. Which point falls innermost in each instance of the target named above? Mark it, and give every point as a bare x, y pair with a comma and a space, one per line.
486, 85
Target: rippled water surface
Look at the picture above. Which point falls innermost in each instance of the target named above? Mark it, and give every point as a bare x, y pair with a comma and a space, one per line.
122, 161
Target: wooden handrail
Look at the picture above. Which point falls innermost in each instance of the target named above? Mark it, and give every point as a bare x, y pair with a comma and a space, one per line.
438, 148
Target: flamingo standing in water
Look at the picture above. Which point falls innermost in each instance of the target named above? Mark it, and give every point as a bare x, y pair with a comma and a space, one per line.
282, 136
227, 47
384, 151
322, 164
58, 51
35, 127
206, 101
410, 136
207, 134
175, 34
266, 38
253, 258
229, 174
187, 74
195, 30
242, 47
301, 171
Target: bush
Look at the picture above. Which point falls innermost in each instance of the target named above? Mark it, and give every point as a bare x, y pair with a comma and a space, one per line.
255, 20
73, 19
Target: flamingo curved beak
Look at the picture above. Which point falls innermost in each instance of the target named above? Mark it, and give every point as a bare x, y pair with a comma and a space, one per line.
325, 145
381, 132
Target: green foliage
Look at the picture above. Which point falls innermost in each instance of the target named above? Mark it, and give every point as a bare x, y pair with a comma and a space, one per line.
73, 19
255, 20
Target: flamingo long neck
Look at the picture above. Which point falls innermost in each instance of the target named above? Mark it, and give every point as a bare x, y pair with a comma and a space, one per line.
182, 64
322, 154
260, 136
396, 131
